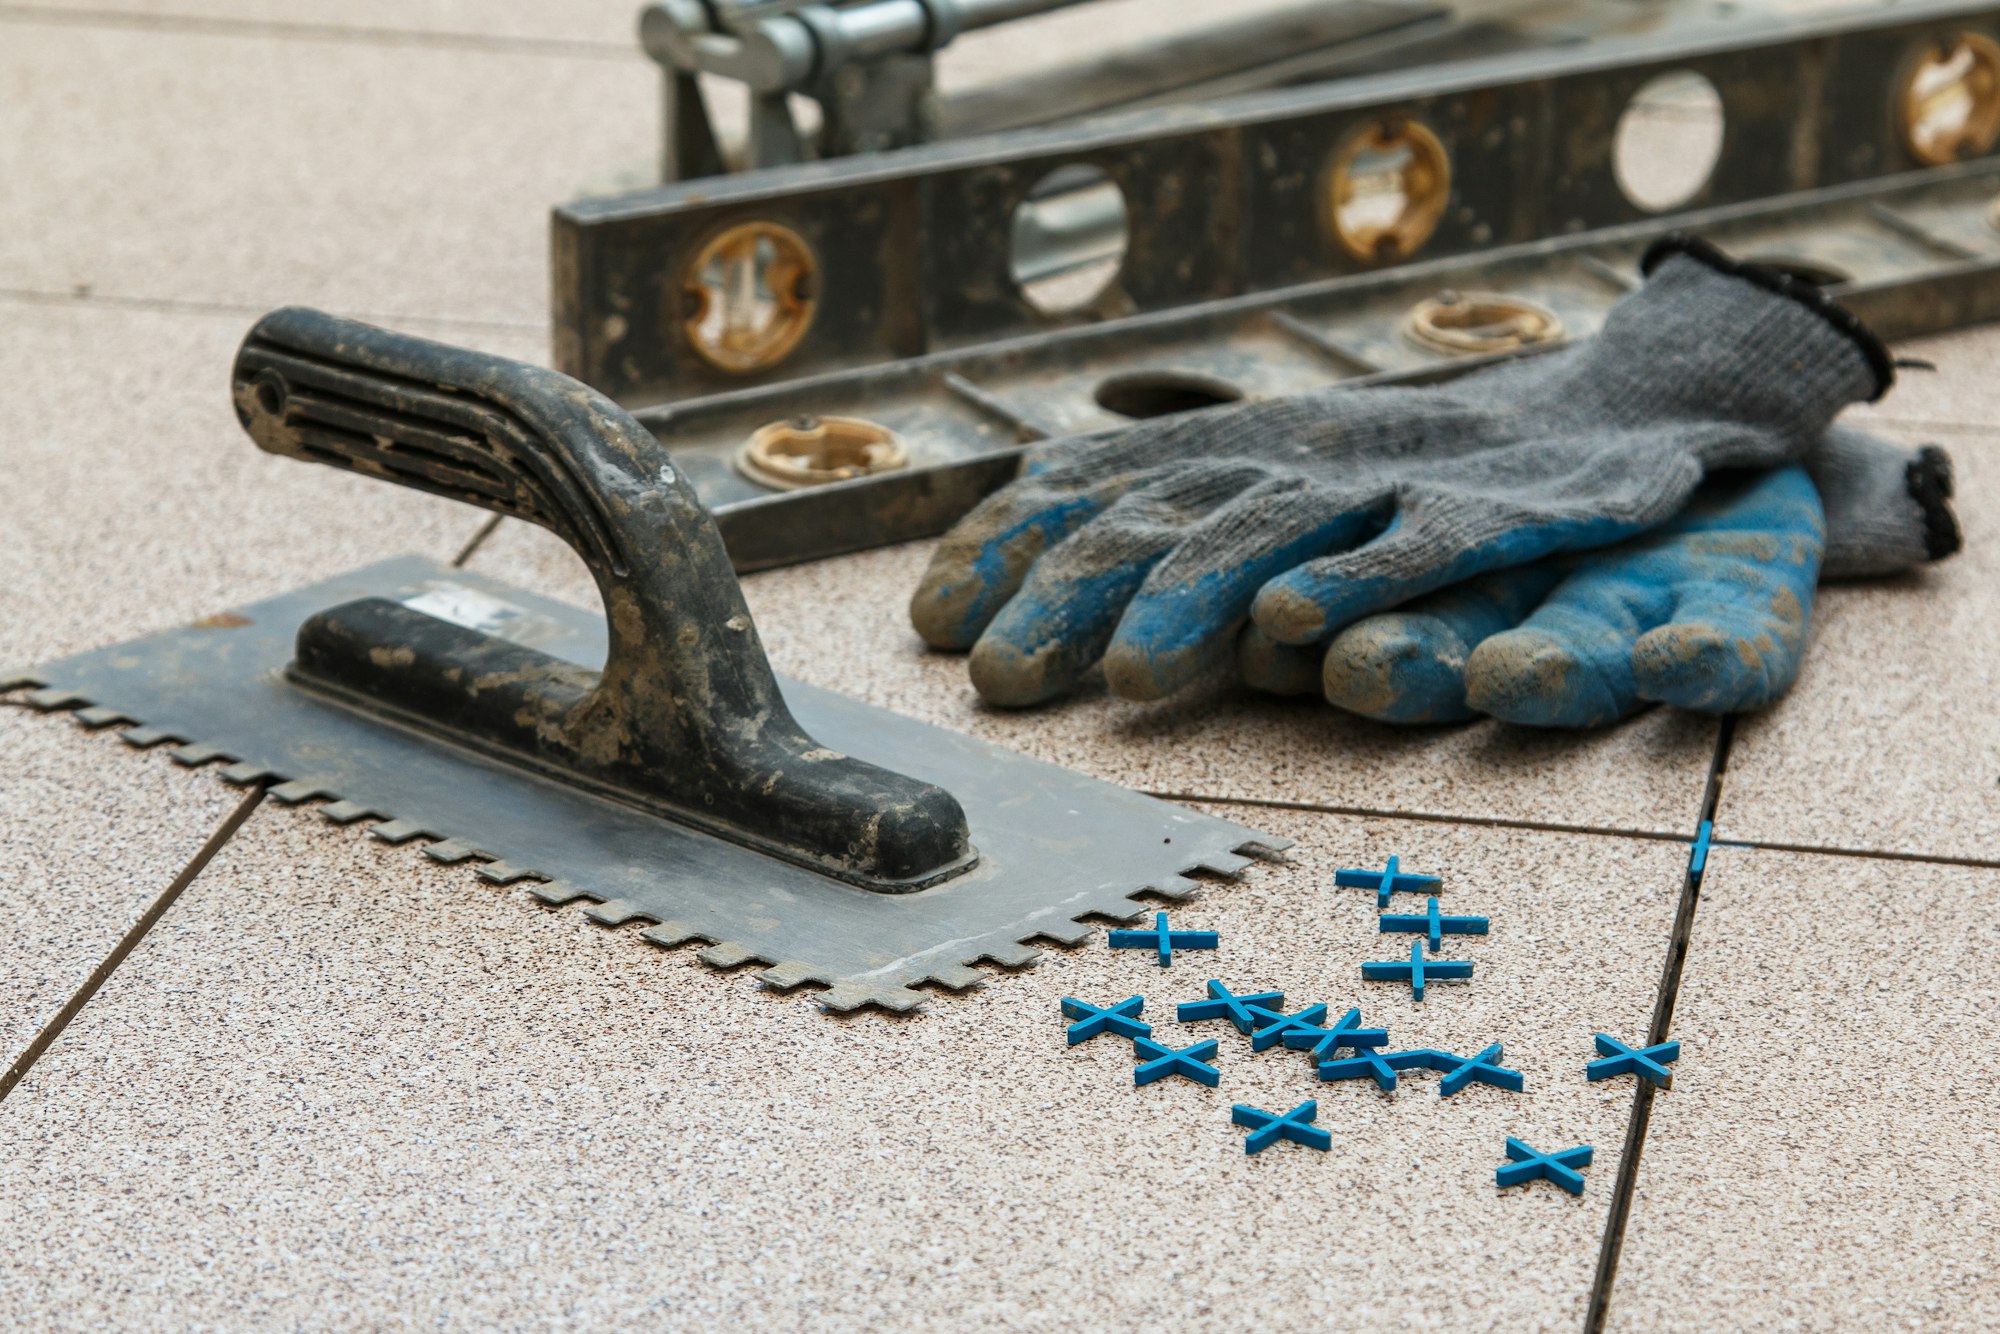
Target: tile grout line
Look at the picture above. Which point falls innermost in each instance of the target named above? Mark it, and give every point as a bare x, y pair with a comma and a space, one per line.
478, 540
1421, 817
1863, 854
129, 942
1627, 1184
217, 26
1720, 840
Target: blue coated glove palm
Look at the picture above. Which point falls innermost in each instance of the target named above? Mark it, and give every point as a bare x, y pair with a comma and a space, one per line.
1150, 547
1709, 612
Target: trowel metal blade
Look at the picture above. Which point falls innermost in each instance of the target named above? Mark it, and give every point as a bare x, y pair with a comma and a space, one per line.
1054, 845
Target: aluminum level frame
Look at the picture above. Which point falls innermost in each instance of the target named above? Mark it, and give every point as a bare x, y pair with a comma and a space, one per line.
907, 252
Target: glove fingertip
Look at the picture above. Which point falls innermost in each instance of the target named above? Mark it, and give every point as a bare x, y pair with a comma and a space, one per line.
1048, 635
1397, 669
1010, 677
1704, 667
1316, 600
1133, 672
1287, 613
1274, 668
983, 561
1537, 679
938, 613
967, 585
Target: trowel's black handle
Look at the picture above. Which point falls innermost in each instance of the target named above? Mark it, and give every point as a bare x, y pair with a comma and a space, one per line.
483, 429
686, 712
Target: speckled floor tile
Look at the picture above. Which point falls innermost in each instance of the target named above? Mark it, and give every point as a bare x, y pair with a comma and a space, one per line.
133, 501
975, 57
609, 22
341, 1084
1824, 1159
842, 624
91, 832
402, 181
1889, 741
1959, 396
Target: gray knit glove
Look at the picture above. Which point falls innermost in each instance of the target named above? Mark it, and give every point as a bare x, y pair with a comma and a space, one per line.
1710, 611
1149, 546
1888, 509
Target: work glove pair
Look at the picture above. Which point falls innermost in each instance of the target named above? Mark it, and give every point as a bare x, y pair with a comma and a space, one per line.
1708, 612
1273, 527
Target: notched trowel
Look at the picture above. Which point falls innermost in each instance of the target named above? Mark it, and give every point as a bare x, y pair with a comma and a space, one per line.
654, 764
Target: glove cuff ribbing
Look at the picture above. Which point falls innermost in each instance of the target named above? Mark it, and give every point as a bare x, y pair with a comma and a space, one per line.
1809, 295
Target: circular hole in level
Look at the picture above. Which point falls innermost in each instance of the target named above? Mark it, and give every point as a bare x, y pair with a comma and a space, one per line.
1388, 188
1162, 393
1805, 270
1950, 103
811, 451
748, 296
1067, 239
1668, 140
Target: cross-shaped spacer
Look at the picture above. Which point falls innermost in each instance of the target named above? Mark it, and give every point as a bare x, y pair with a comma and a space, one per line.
1704, 841
1646, 1062
1530, 1163
1238, 1010
1122, 1019
1267, 1128
1273, 1027
1433, 924
1324, 1042
1163, 940
1417, 969
1484, 1068
1387, 882
1157, 1062
1378, 1065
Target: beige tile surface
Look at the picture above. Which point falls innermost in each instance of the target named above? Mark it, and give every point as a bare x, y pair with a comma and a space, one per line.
341, 1084
610, 23
1824, 1160
133, 501
842, 624
1959, 396
976, 57
91, 832
373, 179
1889, 741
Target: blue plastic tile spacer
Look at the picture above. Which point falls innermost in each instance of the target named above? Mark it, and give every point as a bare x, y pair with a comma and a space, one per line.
1221, 1004
1433, 924
1704, 839
1417, 969
1484, 1068
1324, 1043
1122, 1019
1271, 1027
1157, 1062
1267, 1128
1387, 882
1531, 1163
1381, 1066
1163, 940
1646, 1062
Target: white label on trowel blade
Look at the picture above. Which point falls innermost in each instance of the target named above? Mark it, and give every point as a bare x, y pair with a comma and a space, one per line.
485, 613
